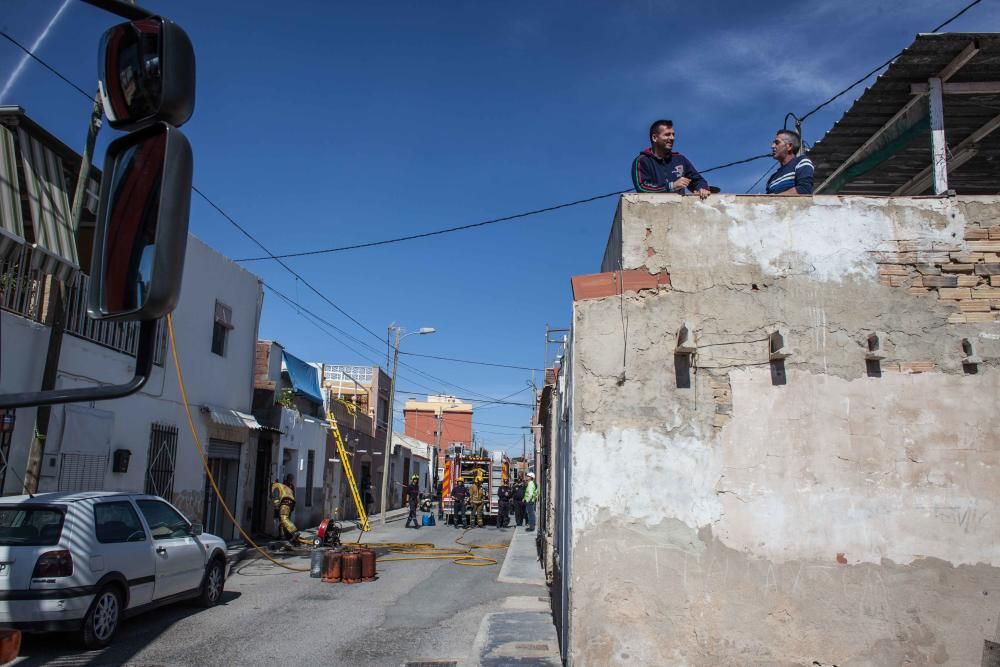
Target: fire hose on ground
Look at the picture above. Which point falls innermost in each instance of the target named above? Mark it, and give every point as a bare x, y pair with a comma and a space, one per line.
400, 551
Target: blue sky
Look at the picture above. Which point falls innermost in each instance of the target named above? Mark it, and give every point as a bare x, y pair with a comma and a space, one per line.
322, 124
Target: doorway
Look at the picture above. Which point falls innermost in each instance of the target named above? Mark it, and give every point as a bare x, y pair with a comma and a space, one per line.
224, 463
259, 522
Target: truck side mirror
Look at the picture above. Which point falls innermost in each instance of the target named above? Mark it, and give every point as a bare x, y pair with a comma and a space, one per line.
142, 224
147, 73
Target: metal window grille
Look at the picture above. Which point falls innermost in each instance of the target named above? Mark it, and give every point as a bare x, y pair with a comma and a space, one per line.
7, 420
162, 460
82, 472
310, 462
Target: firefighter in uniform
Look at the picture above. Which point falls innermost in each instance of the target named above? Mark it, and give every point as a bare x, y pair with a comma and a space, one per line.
503, 505
283, 499
413, 495
459, 494
477, 497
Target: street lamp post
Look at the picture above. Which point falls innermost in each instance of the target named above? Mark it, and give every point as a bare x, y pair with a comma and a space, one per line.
392, 399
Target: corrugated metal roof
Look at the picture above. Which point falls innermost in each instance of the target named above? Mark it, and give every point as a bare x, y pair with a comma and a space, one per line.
963, 115
233, 418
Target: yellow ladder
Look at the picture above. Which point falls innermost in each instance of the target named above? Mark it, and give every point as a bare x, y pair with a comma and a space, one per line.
345, 462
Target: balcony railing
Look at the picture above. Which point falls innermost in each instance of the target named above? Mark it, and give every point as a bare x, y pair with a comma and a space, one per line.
23, 291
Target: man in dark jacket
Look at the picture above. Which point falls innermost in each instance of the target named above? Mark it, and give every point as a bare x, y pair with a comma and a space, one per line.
460, 494
503, 505
659, 169
517, 496
413, 495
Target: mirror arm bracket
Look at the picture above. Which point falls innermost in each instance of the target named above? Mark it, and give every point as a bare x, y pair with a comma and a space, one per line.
122, 9
143, 369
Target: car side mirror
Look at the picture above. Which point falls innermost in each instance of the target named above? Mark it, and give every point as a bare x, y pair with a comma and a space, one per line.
197, 529
147, 73
142, 224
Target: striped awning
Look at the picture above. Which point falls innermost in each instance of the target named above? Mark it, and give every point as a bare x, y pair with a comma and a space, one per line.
11, 222
48, 200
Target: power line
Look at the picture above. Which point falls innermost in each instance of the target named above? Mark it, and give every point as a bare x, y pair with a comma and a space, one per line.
45, 64
468, 361
885, 64
209, 201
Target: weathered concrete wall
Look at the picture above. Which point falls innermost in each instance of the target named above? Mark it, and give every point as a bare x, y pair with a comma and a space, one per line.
823, 508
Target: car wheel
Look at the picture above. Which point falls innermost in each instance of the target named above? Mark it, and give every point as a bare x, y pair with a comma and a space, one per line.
102, 619
213, 584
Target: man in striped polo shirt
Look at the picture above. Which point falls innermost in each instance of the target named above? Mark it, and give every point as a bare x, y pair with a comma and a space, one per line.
795, 175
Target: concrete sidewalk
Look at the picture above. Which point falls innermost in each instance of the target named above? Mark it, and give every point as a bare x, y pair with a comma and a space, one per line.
523, 633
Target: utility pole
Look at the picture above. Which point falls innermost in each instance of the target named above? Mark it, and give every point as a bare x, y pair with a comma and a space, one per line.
388, 427
57, 310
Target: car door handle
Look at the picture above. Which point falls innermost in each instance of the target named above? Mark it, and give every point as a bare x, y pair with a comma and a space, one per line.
161, 550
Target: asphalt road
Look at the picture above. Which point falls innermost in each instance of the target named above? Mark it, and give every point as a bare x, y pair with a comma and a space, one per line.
422, 610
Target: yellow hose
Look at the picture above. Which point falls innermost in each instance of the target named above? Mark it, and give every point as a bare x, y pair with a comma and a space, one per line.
204, 461
406, 550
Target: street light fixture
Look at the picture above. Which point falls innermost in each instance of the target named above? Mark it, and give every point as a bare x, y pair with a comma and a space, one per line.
423, 331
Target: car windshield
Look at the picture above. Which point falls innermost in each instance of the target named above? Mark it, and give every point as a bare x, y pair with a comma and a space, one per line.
30, 526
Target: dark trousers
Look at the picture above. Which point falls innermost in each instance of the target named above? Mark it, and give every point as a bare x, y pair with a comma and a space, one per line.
412, 516
503, 515
530, 508
519, 511
460, 515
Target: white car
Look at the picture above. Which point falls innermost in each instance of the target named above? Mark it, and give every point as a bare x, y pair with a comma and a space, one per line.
83, 561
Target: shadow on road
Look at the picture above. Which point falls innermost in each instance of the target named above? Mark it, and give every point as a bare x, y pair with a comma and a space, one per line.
65, 650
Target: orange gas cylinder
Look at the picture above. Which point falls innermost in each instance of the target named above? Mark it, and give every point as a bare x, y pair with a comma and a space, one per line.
367, 565
331, 566
351, 567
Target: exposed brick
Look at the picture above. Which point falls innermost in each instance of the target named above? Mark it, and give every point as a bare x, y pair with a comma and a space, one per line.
955, 293
915, 246
885, 280
916, 366
995, 304
985, 246
991, 257
939, 281
600, 285
995, 281
932, 258
900, 281
980, 317
974, 306
967, 257
956, 318
893, 270
958, 268
920, 291
994, 233
976, 233
986, 293
718, 421
969, 280
988, 268
929, 269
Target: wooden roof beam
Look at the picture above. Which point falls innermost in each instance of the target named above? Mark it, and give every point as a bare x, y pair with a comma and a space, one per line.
970, 88
962, 154
902, 120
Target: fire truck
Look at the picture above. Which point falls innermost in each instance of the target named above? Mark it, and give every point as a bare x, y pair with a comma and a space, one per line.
492, 470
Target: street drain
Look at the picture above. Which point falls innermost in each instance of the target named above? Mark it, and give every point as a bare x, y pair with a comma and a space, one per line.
432, 663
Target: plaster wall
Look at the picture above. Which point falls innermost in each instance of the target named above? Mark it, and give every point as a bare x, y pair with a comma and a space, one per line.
824, 508
210, 379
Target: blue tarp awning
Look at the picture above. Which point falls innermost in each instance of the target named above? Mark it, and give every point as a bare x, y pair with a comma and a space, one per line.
304, 378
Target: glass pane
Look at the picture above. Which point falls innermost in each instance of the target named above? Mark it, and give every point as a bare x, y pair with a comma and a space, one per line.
117, 522
164, 521
30, 526
132, 215
131, 69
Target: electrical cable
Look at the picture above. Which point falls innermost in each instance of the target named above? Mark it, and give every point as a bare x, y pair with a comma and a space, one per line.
467, 361
885, 64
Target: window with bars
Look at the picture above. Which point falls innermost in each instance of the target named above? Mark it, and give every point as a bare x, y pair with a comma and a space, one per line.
162, 460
